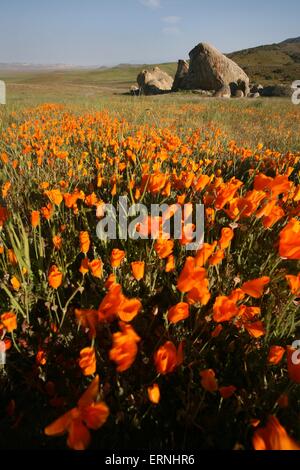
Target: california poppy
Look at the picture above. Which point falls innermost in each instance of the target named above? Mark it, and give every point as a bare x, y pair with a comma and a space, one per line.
116, 257
294, 283
55, 277
170, 264
216, 258
276, 354
138, 269
9, 321
15, 283
166, 358
85, 242
87, 361
154, 394
178, 313
35, 218
124, 349
226, 238
164, 248
88, 414
256, 287
96, 267
224, 309
208, 380
273, 437
289, 244
227, 392
128, 309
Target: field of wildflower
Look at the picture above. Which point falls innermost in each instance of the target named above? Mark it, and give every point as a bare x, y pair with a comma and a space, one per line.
122, 344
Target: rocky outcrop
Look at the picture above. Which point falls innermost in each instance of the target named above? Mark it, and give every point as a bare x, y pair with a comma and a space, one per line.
154, 82
209, 69
181, 75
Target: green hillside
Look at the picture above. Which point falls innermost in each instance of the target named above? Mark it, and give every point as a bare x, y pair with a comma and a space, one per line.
276, 63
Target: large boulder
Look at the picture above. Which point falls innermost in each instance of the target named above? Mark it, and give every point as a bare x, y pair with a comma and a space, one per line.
154, 82
181, 75
211, 70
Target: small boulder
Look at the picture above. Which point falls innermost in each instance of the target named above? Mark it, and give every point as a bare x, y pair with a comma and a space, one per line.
239, 94
224, 92
256, 88
254, 95
154, 82
134, 90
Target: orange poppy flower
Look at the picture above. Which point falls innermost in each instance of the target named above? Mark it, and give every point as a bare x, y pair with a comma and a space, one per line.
88, 318
87, 361
276, 354
289, 244
128, 309
110, 304
164, 248
85, 242
217, 331
166, 358
15, 283
9, 321
170, 264
227, 392
138, 270
178, 313
190, 276
54, 196
276, 214
57, 242
273, 437
154, 394
224, 309
204, 253
55, 277
116, 257
256, 287
41, 358
88, 414
47, 211
293, 362
209, 381
200, 293
216, 258
110, 281
237, 295
227, 192
226, 238
294, 283
84, 267
35, 218
124, 349
255, 329
96, 267
12, 257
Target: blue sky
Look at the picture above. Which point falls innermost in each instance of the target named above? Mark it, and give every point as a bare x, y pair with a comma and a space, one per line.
107, 32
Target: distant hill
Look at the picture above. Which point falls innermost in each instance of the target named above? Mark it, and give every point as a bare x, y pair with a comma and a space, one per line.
278, 63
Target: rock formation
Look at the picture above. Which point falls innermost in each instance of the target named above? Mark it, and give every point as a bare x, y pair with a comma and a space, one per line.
154, 82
